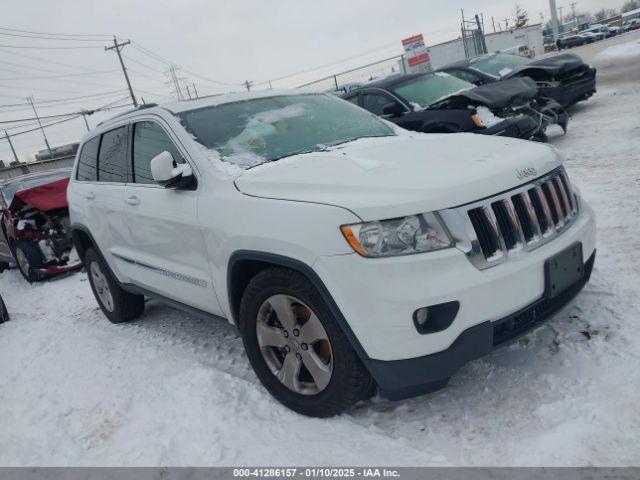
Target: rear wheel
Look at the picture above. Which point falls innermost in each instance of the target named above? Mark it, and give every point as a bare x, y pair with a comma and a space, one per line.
117, 304
28, 256
296, 347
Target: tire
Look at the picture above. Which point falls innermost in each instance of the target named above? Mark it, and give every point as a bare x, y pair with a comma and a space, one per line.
117, 304
27, 256
348, 381
4, 315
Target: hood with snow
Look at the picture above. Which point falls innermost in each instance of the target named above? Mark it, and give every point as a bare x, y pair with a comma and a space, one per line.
388, 177
497, 96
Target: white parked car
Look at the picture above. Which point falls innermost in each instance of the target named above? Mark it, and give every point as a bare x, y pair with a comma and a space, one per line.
351, 254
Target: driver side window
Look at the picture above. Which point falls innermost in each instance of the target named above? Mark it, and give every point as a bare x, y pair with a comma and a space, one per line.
376, 103
467, 76
149, 140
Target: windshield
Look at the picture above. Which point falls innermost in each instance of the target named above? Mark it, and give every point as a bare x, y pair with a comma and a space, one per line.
10, 190
428, 89
499, 65
261, 130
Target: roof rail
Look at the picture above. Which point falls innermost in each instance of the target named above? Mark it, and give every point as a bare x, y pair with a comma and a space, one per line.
144, 106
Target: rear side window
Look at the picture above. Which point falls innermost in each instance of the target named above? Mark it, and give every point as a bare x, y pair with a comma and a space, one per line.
88, 161
149, 140
112, 157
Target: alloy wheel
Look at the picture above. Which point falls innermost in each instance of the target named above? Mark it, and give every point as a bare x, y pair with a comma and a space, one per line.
101, 286
23, 262
294, 344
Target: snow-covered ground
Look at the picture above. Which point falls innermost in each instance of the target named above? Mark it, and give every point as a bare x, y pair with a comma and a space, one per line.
173, 389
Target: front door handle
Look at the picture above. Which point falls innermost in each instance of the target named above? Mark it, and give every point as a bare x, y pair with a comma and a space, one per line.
89, 195
133, 200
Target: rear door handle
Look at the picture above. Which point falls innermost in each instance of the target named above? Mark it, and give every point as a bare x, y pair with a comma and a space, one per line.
133, 200
90, 195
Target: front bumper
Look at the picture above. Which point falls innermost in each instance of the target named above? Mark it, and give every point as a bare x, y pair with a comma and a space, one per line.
52, 270
520, 126
407, 378
378, 297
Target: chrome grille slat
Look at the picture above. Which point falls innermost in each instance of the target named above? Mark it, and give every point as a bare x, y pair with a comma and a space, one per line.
533, 218
546, 209
566, 204
495, 231
514, 222
567, 188
555, 203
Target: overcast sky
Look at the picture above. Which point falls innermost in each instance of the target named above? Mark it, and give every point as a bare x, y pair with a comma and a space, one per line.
226, 41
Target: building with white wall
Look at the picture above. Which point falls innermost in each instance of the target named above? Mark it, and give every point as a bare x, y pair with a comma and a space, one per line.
529, 37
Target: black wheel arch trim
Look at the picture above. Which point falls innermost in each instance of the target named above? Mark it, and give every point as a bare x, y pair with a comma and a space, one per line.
310, 274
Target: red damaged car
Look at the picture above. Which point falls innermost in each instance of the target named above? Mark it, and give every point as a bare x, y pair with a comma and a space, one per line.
35, 225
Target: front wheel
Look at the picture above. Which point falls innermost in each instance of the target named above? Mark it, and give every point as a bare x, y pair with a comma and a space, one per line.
28, 256
296, 347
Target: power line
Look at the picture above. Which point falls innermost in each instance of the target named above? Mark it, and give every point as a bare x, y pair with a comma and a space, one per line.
143, 64
158, 58
75, 47
40, 59
63, 75
57, 34
66, 120
66, 99
50, 38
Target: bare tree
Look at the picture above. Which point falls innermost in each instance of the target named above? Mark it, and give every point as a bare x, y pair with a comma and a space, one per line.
630, 5
522, 17
605, 13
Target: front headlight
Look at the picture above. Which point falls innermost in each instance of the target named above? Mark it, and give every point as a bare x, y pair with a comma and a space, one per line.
398, 236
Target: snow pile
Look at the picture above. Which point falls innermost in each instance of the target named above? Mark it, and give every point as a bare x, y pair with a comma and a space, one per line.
621, 51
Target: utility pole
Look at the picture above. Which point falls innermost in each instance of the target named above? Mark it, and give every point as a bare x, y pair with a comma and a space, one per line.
494, 25
11, 145
554, 19
117, 47
573, 13
247, 84
561, 18
30, 99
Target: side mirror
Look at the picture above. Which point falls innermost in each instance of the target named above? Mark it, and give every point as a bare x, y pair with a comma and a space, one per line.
392, 109
169, 174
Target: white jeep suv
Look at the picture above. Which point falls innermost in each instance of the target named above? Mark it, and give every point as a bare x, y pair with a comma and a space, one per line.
353, 256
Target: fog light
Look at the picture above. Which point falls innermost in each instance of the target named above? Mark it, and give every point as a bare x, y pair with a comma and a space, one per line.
435, 318
421, 315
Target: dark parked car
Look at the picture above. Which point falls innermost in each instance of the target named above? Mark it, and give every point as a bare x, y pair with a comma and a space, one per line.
441, 103
36, 234
571, 41
4, 315
565, 77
